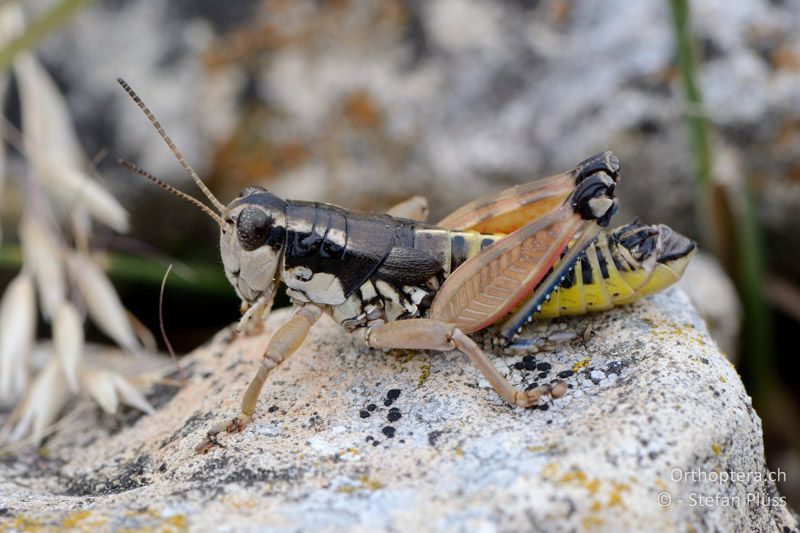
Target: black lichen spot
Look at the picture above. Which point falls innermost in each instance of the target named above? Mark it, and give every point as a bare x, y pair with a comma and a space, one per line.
530, 365
544, 366
544, 407
542, 375
163, 467
433, 436
388, 431
131, 477
273, 409
519, 365
393, 416
363, 413
532, 386
393, 394
565, 374
371, 407
528, 359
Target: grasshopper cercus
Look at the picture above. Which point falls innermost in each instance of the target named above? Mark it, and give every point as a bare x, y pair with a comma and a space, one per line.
533, 251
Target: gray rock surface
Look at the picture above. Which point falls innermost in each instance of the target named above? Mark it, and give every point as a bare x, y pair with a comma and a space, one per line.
654, 412
714, 296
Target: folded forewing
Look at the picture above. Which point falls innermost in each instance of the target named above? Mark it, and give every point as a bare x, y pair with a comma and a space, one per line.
488, 286
509, 210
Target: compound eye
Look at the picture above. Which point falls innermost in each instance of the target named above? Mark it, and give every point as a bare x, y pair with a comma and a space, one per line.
253, 228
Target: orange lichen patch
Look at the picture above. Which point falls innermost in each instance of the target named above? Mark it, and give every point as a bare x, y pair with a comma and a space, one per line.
362, 483
591, 522
716, 449
784, 58
573, 476
615, 496
593, 486
286, 23
403, 356
580, 365
794, 173
560, 11
672, 330
249, 156
144, 520
81, 520
361, 110
786, 135
244, 45
26, 523
350, 452
424, 374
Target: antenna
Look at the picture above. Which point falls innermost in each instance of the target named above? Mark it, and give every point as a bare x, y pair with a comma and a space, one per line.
157, 125
169, 188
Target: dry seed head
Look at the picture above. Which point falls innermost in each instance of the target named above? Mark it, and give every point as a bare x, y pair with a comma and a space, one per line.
102, 302
68, 341
43, 256
130, 395
44, 401
100, 385
17, 331
108, 387
52, 147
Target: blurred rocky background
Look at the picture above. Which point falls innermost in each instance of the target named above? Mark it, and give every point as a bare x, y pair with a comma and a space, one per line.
366, 103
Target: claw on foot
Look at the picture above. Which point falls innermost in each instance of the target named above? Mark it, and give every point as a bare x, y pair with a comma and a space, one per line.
530, 398
234, 426
237, 424
209, 442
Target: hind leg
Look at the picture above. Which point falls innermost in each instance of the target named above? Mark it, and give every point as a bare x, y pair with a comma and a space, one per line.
427, 334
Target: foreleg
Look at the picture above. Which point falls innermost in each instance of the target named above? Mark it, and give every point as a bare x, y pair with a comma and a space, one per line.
284, 343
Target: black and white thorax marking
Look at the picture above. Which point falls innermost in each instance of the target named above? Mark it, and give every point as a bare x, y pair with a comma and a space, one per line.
366, 269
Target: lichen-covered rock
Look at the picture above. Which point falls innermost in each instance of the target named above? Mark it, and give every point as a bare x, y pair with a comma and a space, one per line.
656, 432
714, 296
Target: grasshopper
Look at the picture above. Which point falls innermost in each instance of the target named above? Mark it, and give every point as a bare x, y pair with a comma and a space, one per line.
536, 250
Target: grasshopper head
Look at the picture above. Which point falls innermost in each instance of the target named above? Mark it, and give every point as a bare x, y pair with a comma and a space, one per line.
251, 243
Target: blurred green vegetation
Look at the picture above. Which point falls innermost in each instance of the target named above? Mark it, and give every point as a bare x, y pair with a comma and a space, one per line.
729, 225
49, 21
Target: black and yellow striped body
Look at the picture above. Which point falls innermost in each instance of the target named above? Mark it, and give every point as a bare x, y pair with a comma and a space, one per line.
607, 274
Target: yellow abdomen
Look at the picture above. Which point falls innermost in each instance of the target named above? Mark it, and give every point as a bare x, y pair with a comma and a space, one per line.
605, 277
